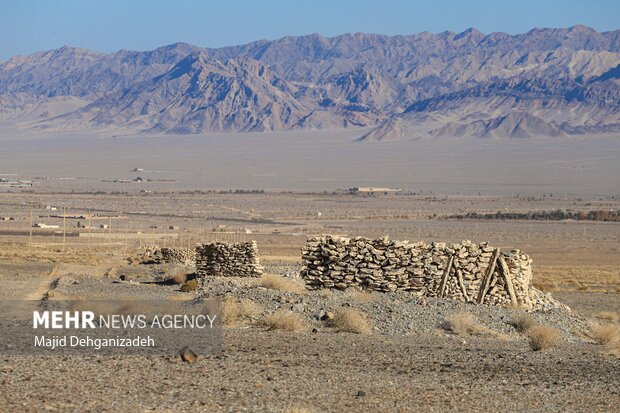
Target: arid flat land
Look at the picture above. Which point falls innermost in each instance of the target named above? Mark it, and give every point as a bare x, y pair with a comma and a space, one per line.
314, 161
568, 255
407, 362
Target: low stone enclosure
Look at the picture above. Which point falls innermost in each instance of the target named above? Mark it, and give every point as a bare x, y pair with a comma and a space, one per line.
228, 260
184, 256
462, 271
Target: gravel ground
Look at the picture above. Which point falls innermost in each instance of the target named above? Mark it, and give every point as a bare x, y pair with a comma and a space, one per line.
392, 314
263, 371
408, 363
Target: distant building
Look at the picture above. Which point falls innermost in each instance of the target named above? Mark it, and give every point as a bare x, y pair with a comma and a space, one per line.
41, 225
370, 190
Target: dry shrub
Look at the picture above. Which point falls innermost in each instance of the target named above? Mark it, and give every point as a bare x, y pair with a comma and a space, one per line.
351, 321
606, 334
325, 293
467, 324
189, 286
608, 316
284, 320
235, 312
176, 275
614, 348
362, 296
275, 282
523, 323
296, 409
544, 337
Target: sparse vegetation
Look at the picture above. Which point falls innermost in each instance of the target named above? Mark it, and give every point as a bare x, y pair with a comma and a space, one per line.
176, 275
556, 215
325, 293
296, 409
351, 321
275, 282
189, 286
523, 323
235, 312
606, 334
362, 296
544, 337
285, 320
467, 324
608, 316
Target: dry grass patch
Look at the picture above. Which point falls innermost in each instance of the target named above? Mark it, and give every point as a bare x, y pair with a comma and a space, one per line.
351, 321
608, 316
296, 409
606, 334
285, 320
176, 275
362, 296
235, 312
325, 293
467, 324
523, 323
189, 286
544, 337
275, 282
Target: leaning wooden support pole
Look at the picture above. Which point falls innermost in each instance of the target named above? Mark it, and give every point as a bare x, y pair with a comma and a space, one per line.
444, 279
459, 274
503, 266
484, 286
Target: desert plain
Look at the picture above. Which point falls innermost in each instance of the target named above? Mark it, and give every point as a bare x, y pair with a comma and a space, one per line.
134, 195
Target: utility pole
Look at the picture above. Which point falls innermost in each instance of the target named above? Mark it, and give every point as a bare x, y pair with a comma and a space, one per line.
30, 238
64, 228
126, 231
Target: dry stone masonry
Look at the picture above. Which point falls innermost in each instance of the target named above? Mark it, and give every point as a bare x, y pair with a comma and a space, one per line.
184, 256
228, 260
462, 271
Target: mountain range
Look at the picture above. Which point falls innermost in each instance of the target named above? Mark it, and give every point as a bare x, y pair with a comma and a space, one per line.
546, 82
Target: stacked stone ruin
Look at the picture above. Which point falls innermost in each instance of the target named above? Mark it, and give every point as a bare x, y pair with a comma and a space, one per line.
184, 256
228, 260
462, 271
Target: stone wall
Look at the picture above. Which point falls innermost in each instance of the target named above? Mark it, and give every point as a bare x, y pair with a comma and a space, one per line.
184, 256
228, 260
462, 271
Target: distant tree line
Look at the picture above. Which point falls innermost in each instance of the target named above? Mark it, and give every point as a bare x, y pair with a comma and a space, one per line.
555, 215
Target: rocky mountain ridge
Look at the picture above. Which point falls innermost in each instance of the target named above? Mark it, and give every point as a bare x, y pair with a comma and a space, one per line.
546, 82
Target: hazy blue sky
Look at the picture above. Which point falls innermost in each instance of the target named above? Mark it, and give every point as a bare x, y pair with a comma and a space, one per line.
28, 25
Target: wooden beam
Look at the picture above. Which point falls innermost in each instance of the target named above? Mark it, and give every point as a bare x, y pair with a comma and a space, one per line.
459, 274
503, 266
444, 279
486, 280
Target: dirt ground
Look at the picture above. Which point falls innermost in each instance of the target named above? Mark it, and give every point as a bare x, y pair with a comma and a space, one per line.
399, 366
